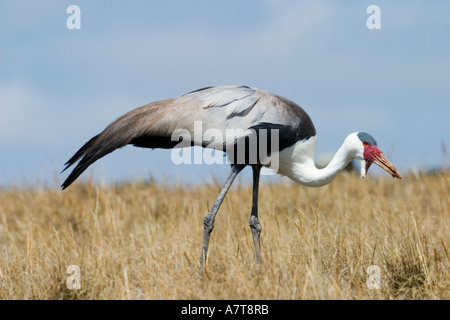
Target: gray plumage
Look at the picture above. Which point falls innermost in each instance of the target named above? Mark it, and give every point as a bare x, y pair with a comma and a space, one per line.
222, 108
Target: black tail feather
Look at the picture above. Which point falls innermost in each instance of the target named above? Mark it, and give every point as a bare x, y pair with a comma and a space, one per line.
79, 153
94, 149
88, 153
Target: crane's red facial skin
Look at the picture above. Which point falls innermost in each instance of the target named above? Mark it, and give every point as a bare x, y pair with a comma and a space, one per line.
374, 155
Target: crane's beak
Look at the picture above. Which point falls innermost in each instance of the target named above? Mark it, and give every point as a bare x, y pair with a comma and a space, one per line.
384, 163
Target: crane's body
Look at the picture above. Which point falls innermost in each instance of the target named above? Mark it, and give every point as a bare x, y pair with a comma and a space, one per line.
221, 109
255, 117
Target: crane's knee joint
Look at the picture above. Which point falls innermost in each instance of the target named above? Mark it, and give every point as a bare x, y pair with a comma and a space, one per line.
208, 224
254, 224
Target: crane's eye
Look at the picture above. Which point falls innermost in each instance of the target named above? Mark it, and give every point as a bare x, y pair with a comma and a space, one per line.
365, 144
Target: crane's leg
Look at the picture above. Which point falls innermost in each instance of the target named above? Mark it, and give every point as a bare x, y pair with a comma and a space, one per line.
208, 221
254, 222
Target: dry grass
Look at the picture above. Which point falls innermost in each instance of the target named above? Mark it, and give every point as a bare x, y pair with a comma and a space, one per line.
142, 241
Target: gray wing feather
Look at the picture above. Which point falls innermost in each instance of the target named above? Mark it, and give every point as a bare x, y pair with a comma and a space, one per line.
219, 108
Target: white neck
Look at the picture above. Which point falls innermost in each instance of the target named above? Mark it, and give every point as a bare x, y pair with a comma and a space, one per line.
297, 162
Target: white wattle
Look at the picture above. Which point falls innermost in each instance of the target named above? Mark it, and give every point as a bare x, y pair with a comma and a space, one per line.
363, 169
297, 161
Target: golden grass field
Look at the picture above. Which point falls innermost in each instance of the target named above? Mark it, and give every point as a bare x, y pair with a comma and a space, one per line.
142, 241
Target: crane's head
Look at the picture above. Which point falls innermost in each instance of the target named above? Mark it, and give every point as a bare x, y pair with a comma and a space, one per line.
368, 153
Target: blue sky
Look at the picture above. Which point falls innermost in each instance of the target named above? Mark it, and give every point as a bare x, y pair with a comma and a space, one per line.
60, 87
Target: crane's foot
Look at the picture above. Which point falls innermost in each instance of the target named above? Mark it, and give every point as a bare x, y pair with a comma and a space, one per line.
207, 229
